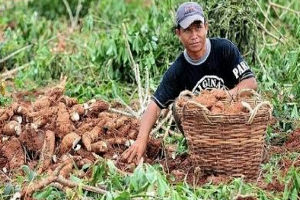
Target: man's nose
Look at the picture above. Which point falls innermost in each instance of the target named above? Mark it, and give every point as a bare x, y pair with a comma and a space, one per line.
194, 34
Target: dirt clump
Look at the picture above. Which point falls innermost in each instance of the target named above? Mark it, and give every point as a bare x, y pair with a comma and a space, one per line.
31, 138
246, 198
13, 152
293, 141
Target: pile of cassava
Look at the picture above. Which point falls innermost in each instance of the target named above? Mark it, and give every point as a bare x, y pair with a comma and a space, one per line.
219, 101
56, 129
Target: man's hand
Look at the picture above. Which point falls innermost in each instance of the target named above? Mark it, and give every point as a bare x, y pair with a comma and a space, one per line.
249, 83
136, 150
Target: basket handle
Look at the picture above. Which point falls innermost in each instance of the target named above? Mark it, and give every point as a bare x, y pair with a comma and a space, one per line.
246, 90
254, 111
186, 93
203, 111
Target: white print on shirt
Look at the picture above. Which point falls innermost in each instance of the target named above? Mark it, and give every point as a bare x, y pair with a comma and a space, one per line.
240, 69
208, 82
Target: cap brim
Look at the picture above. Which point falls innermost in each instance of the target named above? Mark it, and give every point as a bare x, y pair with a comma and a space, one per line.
189, 20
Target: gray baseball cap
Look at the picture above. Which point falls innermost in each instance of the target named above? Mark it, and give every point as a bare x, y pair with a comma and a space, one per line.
189, 12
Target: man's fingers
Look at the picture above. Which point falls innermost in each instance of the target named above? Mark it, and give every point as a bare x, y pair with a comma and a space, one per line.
127, 153
139, 156
132, 155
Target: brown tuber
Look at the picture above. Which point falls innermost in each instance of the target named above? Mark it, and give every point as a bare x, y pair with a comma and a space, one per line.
91, 136
117, 140
68, 142
99, 147
12, 128
67, 169
124, 130
76, 112
63, 122
40, 103
68, 101
218, 108
47, 151
7, 114
22, 110
120, 122
98, 106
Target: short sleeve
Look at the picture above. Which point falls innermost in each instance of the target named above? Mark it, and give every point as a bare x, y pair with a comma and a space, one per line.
239, 69
168, 89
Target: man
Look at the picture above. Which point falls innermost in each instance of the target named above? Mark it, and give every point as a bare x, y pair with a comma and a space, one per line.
204, 64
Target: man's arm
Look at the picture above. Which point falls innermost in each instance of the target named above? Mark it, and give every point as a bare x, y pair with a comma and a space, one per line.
249, 83
138, 148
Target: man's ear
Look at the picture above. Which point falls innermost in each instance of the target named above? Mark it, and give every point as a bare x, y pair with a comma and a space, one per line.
177, 31
206, 27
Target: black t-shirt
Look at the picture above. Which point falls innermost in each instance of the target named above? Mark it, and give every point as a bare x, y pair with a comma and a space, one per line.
224, 67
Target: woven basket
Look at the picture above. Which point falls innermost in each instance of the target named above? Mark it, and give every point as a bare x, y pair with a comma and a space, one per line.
225, 144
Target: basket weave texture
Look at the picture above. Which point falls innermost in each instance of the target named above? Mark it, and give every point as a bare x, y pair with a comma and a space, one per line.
223, 144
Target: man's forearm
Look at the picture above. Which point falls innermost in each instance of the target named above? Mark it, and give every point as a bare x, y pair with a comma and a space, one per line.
249, 83
148, 120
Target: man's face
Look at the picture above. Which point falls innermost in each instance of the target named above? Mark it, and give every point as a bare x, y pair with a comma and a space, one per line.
193, 37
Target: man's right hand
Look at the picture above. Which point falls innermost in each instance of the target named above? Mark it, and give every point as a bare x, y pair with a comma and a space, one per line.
135, 151
138, 148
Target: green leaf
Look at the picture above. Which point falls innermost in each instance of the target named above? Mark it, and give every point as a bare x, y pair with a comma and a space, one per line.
138, 180
175, 196
151, 174
294, 194
75, 179
29, 173
98, 174
123, 196
8, 189
44, 194
294, 113
286, 192
162, 186
111, 167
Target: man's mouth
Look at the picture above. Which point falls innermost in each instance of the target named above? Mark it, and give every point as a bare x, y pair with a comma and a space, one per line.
195, 44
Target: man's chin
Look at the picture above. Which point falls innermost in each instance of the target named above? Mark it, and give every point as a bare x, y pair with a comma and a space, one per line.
195, 49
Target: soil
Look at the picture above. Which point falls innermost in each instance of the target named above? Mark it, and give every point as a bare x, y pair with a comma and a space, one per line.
246, 198
293, 141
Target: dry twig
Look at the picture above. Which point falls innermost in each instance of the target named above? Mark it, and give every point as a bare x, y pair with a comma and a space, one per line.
265, 15
10, 73
74, 20
121, 112
285, 8
268, 32
15, 53
161, 123
57, 180
135, 67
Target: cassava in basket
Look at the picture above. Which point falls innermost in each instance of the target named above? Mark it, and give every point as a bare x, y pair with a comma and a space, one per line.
223, 144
